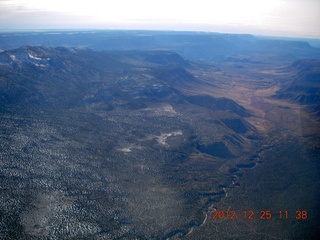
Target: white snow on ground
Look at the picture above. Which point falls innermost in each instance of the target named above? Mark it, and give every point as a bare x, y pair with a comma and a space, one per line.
33, 57
165, 110
13, 57
126, 150
163, 137
169, 109
37, 58
39, 65
129, 148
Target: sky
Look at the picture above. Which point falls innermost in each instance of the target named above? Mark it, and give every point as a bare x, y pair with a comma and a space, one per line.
292, 18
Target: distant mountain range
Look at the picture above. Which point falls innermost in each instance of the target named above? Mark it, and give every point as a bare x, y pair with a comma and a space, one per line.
190, 45
42, 78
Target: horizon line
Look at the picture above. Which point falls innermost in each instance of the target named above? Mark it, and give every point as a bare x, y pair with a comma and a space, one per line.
43, 30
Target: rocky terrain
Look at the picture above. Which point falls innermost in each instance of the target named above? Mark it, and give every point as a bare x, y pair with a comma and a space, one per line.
302, 84
144, 143
114, 124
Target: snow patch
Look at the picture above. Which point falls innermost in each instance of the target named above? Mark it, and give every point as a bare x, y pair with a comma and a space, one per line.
13, 57
33, 57
37, 58
164, 110
40, 65
126, 150
163, 137
169, 109
129, 149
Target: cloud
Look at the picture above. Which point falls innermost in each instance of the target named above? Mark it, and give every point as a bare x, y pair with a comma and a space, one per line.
297, 16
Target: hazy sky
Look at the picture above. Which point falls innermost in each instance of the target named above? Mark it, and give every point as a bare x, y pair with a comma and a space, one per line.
299, 18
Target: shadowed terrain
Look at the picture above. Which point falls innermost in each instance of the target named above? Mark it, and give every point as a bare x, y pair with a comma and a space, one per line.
145, 140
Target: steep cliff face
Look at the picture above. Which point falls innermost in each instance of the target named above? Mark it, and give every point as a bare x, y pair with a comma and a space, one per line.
301, 84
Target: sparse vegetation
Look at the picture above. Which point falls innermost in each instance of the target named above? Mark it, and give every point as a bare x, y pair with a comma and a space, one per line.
145, 144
